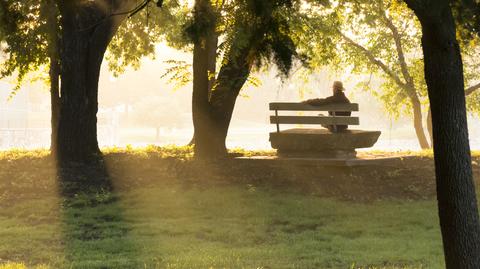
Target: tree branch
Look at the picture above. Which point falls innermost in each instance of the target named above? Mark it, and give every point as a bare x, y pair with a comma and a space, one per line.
376, 61
472, 89
399, 47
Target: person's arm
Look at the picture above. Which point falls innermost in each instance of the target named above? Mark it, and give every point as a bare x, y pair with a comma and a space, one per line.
319, 101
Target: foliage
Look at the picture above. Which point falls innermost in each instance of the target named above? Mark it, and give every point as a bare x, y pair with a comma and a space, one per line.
172, 151
359, 39
138, 36
466, 13
178, 74
265, 27
234, 22
14, 154
25, 36
361, 34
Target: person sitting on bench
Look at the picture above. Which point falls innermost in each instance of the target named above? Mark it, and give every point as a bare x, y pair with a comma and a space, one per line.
338, 97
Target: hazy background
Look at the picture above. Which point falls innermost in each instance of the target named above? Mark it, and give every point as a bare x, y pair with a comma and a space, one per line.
140, 108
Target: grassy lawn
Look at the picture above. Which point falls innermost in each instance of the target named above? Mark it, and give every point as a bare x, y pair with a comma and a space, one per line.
156, 215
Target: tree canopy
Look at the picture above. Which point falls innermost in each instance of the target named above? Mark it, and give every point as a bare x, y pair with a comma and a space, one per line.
25, 33
382, 38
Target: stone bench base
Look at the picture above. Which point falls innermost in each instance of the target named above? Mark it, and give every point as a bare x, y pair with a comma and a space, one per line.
321, 143
336, 154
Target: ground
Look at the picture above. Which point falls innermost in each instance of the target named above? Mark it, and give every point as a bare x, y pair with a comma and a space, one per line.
157, 208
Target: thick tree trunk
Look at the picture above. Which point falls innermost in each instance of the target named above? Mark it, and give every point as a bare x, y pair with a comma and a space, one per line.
54, 72
202, 113
86, 33
77, 129
429, 125
213, 109
211, 50
231, 78
418, 123
201, 110
457, 202
210, 142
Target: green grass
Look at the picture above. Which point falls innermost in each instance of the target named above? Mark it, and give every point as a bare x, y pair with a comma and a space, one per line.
196, 222
218, 227
187, 152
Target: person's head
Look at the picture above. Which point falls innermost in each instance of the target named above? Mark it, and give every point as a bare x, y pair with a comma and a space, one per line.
337, 87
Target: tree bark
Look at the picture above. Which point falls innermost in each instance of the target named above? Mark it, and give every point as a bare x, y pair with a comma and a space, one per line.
429, 125
201, 110
418, 123
211, 42
231, 78
456, 195
87, 30
54, 75
211, 131
54, 72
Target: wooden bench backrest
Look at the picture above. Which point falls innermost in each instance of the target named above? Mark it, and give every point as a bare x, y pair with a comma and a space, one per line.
305, 107
326, 120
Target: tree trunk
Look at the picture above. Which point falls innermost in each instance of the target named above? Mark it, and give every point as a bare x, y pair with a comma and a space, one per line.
202, 113
86, 32
429, 125
54, 72
456, 196
211, 50
200, 106
203, 121
230, 80
418, 123
213, 109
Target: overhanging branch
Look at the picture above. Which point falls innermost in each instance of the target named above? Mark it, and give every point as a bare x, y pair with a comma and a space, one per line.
472, 89
376, 61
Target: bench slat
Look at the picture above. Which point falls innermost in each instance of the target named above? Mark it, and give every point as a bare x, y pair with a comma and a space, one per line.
338, 120
305, 107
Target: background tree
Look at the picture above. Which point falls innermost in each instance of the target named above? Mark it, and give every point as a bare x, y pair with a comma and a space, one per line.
259, 32
383, 37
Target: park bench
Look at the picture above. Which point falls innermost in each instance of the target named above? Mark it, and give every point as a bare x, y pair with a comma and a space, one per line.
318, 142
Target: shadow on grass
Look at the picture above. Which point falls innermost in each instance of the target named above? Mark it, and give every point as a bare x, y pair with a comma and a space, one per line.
158, 210
96, 233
